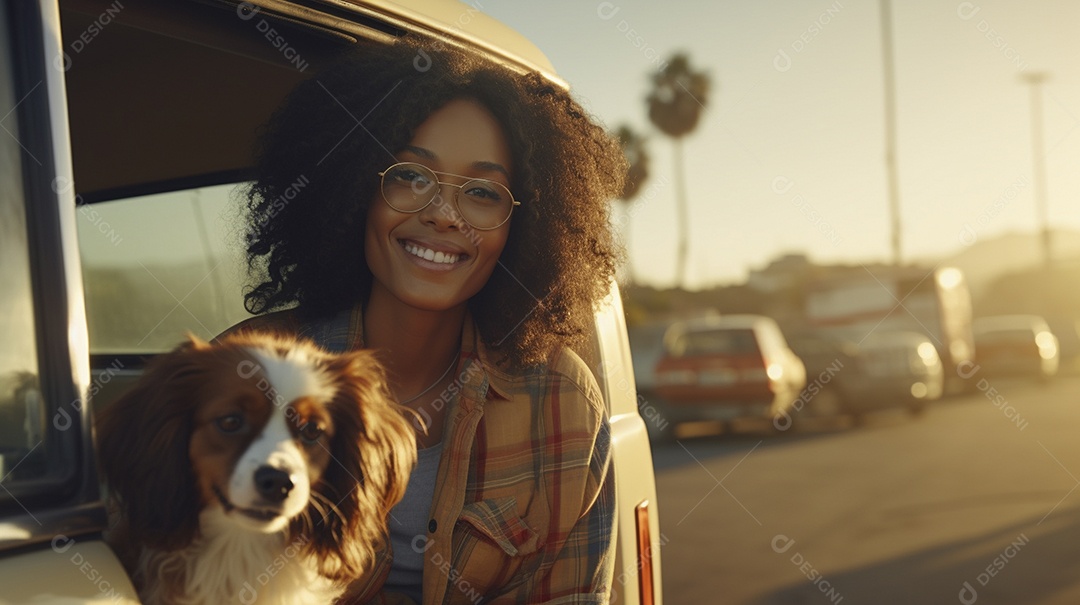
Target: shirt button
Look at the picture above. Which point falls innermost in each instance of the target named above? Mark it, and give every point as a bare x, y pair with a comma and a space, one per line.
432, 526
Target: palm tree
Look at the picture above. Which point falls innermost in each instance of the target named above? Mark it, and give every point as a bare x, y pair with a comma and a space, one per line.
677, 99
633, 147
637, 159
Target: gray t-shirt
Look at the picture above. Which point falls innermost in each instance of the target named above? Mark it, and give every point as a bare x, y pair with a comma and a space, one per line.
409, 526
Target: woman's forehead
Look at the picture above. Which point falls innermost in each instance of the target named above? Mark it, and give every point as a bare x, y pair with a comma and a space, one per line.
462, 137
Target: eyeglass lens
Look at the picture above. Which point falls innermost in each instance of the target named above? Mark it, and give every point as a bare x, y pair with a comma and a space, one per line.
482, 203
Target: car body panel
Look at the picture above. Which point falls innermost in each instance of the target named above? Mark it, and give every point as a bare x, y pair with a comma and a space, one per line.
637, 565
84, 571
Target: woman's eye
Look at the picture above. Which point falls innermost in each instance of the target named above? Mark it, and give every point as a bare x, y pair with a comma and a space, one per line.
310, 432
484, 193
230, 424
411, 177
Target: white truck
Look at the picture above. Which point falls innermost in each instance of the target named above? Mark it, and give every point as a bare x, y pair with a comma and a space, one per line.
869, 301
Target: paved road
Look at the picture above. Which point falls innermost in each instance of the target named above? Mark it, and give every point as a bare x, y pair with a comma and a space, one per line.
977, 501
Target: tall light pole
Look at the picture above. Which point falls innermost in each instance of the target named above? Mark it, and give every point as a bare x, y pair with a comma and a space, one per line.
1038, 155
890, 128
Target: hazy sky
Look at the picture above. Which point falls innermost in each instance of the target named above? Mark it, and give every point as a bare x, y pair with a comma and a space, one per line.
789, 155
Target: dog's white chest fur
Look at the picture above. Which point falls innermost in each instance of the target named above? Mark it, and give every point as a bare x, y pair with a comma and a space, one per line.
230, 564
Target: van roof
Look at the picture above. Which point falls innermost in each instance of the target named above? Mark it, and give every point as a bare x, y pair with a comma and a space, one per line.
126, 89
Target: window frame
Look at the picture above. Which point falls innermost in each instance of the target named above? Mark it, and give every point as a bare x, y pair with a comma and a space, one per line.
67, 500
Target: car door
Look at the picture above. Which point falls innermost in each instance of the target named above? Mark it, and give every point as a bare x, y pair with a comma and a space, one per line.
51, 517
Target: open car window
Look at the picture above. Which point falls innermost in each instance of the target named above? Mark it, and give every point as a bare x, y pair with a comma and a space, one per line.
157, 267
21, 405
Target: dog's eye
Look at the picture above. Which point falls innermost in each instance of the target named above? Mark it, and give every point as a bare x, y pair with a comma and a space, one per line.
230, 424
310, 432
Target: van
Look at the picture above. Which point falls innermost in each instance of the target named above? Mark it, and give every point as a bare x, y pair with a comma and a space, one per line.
111, 109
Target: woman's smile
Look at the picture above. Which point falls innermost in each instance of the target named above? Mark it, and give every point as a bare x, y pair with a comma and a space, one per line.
444, 258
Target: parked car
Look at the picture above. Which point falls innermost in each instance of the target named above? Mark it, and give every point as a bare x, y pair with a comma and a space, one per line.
834, 382
847, 374
1016, 345
727, 367
904, 369
127, 127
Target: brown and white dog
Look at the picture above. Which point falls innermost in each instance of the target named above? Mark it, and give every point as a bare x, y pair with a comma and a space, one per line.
257, 469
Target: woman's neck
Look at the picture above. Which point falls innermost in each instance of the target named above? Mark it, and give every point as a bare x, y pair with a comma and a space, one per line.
414, 344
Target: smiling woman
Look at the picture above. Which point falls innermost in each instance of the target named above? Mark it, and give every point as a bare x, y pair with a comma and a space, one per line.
465, 227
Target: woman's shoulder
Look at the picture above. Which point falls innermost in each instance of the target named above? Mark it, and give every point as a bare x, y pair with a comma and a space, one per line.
277, 322
566, 377
565, 362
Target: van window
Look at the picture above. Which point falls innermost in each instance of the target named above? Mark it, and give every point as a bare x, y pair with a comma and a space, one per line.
157, 267
22, 414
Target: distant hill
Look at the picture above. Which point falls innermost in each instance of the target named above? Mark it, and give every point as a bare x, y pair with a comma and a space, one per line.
987, 260
1005, 275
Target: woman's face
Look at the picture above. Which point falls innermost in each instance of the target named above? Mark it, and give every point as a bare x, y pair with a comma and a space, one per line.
461, 138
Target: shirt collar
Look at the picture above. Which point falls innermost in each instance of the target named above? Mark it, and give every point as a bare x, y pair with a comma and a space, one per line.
473, 346
472, 349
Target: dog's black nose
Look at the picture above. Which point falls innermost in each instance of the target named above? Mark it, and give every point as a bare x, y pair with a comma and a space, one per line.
273, 483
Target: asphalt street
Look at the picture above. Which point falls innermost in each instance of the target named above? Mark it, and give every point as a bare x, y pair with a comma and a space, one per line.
977, 501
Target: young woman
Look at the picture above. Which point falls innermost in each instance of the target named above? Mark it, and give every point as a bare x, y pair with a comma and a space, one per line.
452, 214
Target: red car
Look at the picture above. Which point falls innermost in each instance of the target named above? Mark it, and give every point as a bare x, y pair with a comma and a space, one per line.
723, 368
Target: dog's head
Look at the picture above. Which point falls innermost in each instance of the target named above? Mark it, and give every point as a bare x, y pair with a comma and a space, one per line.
268, 434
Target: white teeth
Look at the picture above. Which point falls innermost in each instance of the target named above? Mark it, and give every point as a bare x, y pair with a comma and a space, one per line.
431, 255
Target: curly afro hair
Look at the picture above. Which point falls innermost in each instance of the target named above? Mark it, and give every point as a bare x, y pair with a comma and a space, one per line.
316, 172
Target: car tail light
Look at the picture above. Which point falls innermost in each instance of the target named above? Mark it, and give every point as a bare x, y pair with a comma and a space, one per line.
775, 371
1047, 345
645, 554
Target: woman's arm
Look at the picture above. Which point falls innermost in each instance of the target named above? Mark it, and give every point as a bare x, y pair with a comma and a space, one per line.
577, 562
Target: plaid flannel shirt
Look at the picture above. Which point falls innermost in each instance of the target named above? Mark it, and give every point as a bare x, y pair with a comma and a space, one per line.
524, 505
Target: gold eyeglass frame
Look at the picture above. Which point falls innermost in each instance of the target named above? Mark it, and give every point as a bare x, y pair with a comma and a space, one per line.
439, 183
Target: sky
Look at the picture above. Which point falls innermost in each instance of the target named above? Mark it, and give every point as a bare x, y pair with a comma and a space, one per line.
789, 156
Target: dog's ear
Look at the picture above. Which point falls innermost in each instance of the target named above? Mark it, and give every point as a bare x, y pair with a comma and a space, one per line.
143, 440
374, 451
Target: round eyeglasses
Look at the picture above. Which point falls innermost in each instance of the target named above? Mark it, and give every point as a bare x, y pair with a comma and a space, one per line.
483, 204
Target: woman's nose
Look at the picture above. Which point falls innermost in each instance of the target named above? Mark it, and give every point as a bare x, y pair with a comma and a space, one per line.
441, 212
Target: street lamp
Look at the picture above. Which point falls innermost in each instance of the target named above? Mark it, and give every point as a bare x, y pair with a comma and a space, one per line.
890, 128
1038, 153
